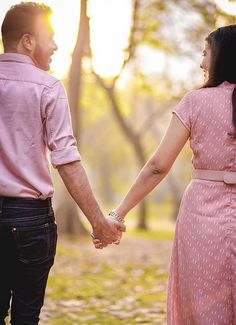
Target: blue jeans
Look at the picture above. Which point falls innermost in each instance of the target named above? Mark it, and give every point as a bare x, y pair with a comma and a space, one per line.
28, 237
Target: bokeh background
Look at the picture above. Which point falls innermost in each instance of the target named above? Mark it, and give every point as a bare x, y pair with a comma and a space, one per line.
125, 65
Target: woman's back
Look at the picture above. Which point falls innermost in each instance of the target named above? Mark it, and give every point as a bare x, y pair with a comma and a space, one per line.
203, 260
207, 113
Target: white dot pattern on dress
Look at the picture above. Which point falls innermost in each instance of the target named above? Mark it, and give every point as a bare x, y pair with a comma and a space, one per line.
202, 283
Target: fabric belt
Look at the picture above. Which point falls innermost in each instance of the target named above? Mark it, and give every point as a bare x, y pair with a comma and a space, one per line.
227, 177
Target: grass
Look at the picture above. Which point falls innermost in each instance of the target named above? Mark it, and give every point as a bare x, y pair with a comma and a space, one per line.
128, 294
87, 287
122, 285
157, 234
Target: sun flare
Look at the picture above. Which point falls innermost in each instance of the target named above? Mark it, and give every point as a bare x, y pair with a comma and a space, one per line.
110, 22
227, 6
110, 25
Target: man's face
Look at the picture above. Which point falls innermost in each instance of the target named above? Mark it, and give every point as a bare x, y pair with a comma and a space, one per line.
44, 43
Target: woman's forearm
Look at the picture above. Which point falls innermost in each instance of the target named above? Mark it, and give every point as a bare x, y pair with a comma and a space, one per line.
157, 167
146, 181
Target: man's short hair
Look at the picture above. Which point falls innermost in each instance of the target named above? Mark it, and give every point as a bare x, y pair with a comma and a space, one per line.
20, 20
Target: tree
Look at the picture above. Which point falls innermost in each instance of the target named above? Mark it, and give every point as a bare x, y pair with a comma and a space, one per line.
133, 138
150, 19
67, 211
153, 26
1, 46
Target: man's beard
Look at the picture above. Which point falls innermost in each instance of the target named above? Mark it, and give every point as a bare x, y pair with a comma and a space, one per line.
41, 58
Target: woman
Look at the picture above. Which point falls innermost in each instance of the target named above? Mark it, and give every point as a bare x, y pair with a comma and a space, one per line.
202, 283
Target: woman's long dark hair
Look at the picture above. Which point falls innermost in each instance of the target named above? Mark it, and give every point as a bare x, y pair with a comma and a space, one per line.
222, 43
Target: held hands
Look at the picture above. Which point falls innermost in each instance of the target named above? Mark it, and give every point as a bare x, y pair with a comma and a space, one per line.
109, 232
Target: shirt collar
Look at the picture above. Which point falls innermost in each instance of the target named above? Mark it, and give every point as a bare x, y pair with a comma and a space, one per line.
16, 57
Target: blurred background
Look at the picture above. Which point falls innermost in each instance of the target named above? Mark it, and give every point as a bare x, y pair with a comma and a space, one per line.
125, 65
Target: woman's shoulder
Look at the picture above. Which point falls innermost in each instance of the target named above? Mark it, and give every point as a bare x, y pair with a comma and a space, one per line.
193, 96
198, 92
201, 92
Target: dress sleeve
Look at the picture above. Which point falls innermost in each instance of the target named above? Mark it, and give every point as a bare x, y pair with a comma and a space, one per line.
183, 110
58, 127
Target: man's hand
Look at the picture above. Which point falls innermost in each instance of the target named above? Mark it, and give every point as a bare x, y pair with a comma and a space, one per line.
108, 232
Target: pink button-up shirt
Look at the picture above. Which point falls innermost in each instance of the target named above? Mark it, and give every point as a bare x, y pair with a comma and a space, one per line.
34, 117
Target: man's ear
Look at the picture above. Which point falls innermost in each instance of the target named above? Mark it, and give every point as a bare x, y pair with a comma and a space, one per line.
28, 42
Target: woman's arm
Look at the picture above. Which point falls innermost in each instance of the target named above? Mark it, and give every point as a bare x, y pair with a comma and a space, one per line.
157, 166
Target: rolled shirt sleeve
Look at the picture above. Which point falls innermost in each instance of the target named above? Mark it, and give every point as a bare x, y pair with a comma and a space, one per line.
58, 127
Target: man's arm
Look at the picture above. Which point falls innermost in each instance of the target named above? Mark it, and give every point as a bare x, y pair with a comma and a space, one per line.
76, 181
65, 157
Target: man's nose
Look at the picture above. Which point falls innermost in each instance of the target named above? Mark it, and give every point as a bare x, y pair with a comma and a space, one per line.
55, 48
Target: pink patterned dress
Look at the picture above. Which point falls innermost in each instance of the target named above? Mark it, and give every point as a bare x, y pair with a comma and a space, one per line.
202, 284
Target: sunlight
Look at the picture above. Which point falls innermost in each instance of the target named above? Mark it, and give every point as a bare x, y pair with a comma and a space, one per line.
227, 6
110, 22
66, 29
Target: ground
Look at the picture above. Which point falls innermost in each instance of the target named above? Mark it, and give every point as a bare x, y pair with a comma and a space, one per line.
123, 284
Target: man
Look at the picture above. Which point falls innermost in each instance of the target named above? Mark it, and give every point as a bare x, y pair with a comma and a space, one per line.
33, 117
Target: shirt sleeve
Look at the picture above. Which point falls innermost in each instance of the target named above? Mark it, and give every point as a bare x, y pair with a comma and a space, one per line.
183, 110
58, 127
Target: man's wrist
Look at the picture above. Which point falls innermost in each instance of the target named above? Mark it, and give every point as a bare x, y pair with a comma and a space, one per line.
98, 222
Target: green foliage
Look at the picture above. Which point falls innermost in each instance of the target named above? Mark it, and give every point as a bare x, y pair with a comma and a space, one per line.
159, 234
176, 29
95, 106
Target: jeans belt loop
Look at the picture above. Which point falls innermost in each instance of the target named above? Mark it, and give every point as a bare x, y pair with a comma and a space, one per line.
228, 177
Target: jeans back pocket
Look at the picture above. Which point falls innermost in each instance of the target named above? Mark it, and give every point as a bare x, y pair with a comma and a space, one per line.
36, 244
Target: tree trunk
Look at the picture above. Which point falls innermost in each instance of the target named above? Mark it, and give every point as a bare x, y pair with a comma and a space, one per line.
67, 211
135, 142
75, 73
142, 218
143, 206
175, 194
132, 137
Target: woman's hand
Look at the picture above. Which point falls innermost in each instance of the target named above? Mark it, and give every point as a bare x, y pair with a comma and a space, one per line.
110, 239
110, 232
